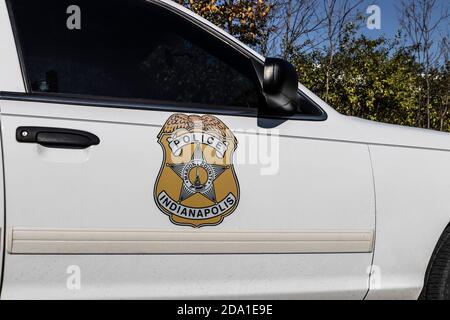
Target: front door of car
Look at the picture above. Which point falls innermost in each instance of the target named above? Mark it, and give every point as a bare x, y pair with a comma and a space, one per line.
136, 167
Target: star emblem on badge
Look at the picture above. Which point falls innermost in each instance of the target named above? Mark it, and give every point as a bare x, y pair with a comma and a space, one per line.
198, 176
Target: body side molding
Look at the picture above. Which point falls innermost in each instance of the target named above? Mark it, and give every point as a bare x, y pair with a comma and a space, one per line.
86, 241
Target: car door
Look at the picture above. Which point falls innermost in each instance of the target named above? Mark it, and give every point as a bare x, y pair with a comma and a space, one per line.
136, 166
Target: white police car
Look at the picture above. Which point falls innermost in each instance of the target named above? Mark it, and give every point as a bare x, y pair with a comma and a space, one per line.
148, 154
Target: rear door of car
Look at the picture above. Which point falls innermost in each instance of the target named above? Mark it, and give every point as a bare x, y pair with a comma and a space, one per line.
136, 166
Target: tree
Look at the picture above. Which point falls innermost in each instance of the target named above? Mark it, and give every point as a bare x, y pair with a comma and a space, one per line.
245, 19
368, 80
297, 20
340, 17
421, 23
439, 97
379, 79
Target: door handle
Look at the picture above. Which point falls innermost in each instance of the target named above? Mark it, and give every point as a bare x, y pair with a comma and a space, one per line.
57, 137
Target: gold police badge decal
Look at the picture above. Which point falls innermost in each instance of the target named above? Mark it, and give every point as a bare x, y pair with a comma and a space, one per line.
197, 185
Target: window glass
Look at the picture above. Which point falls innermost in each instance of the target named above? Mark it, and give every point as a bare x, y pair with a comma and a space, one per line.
129, 49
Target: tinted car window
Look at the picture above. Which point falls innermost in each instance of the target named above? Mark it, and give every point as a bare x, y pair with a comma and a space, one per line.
132, 50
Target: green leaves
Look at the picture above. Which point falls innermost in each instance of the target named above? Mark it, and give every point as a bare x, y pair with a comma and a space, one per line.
376, 79
244, 19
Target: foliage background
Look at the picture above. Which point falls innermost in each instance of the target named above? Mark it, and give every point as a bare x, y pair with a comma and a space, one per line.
402, 80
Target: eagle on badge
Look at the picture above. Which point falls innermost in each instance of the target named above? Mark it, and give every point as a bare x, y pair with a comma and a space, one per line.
197, 185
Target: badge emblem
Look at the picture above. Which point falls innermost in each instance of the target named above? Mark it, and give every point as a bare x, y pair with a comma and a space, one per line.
197, 185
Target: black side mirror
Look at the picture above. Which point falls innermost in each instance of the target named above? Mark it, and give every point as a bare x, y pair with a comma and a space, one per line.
280, 86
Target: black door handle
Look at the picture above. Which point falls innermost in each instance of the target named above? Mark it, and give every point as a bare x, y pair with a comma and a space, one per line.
56, 137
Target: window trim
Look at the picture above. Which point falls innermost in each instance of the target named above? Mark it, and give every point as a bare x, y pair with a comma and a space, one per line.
141, 104
19, 50
146, 104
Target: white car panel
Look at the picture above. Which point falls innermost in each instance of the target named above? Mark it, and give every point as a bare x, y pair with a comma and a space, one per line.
110, 186
339, 175
10, 74
413, 209
175, 277
2, 216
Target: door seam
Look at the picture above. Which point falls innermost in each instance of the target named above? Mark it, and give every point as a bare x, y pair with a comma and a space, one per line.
375, 221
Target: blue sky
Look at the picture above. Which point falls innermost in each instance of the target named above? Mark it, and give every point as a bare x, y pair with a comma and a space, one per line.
390, 21
390, 16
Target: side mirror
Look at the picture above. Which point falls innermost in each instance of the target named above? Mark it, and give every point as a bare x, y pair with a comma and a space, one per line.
280, 86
